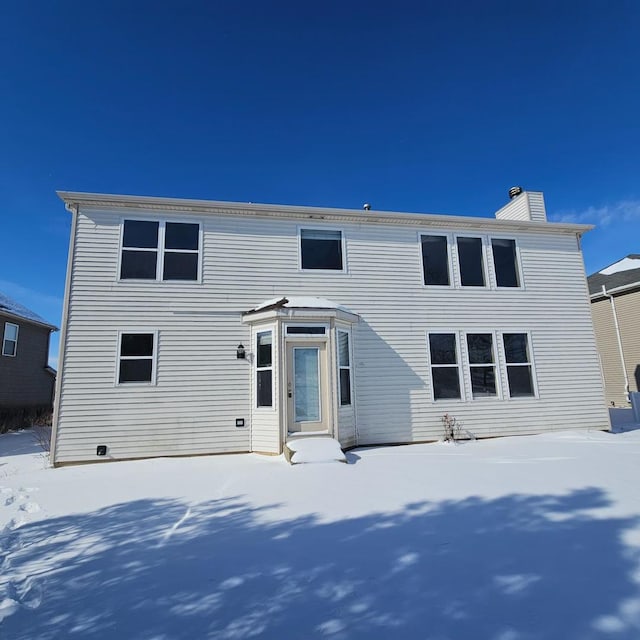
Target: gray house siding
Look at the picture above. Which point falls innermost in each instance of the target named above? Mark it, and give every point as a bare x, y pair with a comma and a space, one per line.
24, 380
201, 388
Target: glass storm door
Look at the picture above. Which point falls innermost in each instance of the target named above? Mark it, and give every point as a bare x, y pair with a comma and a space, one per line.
307, 406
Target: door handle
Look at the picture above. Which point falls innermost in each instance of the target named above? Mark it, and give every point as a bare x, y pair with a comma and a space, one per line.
289, 394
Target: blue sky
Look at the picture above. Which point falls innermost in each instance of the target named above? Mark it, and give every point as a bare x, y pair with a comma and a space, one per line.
413, 106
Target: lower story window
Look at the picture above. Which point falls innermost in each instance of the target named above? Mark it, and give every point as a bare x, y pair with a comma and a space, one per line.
482, 366
445, 372
136, 358
519, 371
264, 369
344, 366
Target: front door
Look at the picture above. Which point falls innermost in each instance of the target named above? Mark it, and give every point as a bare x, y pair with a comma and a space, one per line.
307, 387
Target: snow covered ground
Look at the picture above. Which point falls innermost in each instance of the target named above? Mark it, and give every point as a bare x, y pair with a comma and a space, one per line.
507, 539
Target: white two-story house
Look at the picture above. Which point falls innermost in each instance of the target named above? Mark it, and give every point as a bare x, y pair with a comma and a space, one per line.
197, 327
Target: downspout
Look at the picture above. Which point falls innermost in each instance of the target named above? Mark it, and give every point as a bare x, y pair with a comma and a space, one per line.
617, 326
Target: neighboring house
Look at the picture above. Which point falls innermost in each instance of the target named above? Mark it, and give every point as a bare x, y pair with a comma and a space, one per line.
26, 380
197, 327
615, 306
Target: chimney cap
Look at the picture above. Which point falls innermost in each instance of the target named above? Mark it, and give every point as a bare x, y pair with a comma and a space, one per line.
366, 206
515, 191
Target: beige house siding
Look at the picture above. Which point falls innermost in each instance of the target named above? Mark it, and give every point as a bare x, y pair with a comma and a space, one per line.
628, 313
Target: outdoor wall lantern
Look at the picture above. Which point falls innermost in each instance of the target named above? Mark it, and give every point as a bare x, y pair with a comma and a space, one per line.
241, 354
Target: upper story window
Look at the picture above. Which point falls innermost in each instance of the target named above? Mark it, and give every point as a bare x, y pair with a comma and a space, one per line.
471, 260
505, 261
435, 260
10, 339
321, 249
136, 362
160, 251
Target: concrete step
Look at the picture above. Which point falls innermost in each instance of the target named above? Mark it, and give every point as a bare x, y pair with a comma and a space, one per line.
301, 450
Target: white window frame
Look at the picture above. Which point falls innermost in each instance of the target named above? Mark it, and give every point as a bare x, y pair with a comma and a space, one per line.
459, 365
272, 330
5, 340
154, 358
160, 250
534, 377
452, 275
494, 284
485, 270
312, 227
495, 338
348, 368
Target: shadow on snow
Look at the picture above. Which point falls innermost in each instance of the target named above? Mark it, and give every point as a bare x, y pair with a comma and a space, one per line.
514, 568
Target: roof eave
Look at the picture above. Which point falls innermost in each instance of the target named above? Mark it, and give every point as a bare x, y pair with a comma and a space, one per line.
116, 201
16, 316
625, 288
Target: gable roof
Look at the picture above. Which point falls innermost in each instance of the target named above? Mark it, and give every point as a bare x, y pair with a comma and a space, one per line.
624, 273
10, 307
180, 205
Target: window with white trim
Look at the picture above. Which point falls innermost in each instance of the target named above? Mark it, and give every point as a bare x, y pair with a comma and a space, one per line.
136, 357
160, 250
505, 262
482, 365
519, 367
445, 370
471, 261
435, 260
321, 249
10, 339
264, 369
344, 367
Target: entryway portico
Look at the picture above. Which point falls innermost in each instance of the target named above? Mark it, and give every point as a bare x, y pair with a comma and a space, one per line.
302, 377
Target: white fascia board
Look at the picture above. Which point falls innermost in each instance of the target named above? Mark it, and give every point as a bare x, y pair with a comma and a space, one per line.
178, 205
622, 289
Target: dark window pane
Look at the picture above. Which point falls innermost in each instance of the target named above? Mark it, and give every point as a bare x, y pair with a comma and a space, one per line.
505, 261
321, 249
180, 266
520, 381
135, 370
435, 261
471, 263
264, 349
178, 235
9, 348
343, 349
136, 344
138, 265
480, 348
141, 234
306, 330
483, 381
264, 388
345, 387
446, 383
515, 347
443, 348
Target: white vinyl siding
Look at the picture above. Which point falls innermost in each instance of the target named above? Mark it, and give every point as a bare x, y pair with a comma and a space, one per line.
201, 388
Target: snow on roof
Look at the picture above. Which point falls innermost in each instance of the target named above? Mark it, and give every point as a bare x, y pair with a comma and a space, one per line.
626, 264
14, 308
623, 273
301, 302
